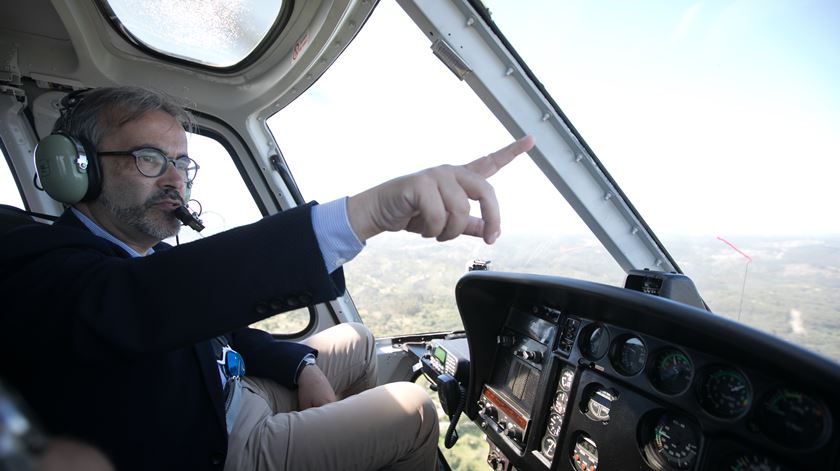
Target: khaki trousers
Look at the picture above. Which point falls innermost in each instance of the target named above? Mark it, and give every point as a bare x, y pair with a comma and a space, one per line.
392, 427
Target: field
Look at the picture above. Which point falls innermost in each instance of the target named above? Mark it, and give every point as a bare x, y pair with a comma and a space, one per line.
403, 284
790, 288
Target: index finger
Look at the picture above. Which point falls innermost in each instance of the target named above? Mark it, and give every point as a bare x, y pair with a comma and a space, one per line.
488, 165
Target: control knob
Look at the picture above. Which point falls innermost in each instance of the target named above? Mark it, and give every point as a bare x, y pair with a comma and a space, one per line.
530, 355
490, 412
513, 433
496, 462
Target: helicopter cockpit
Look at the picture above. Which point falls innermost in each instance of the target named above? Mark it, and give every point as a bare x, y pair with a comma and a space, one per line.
664, 295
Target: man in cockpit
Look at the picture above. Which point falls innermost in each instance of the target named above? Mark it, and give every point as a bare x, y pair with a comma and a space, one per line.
143, 350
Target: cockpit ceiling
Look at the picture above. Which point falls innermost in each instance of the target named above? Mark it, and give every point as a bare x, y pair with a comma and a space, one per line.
33, 17
74, 44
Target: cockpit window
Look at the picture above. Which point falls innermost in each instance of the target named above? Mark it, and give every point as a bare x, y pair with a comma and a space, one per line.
220, 210
8, 188
219, 193
223, 35
719, 120
367, 120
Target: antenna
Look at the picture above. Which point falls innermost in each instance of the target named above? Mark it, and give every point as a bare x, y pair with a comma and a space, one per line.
746, 269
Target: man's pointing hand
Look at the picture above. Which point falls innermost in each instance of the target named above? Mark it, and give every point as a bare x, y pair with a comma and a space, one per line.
435, 202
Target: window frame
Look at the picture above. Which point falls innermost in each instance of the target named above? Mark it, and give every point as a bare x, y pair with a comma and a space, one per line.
469, 40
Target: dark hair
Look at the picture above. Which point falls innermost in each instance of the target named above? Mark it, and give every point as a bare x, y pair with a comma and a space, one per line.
89, 115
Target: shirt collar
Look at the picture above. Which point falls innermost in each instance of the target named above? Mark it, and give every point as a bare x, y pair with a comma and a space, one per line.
93, 227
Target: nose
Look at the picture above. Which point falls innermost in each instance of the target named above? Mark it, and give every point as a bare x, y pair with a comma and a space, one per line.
172, 178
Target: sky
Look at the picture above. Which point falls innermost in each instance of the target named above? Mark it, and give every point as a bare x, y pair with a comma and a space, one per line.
714, 117
730, 107
8, 189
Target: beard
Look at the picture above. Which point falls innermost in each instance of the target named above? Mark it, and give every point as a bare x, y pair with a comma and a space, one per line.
145, 217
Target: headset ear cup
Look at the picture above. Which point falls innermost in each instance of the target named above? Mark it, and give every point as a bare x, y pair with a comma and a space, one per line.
62, 166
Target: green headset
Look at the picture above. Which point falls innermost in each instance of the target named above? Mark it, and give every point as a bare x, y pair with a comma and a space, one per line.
68, 166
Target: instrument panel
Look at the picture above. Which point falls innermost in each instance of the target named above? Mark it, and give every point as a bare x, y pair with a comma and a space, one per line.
566, 374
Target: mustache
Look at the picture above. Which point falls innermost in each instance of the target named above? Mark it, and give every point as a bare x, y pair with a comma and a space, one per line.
168, 194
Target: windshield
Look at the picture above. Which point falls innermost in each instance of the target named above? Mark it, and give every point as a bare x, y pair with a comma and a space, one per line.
715, 119
720, 120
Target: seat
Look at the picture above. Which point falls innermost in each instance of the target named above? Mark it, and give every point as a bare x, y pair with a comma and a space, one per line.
12, 217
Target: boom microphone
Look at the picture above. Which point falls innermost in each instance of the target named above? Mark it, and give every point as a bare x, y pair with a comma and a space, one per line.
188, 219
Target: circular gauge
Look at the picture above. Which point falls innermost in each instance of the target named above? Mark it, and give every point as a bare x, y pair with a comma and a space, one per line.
598, 402
725, 393
549, 446
629, 355
566, 379
585, 453
793, 419
555, 421
560, 402
753, 462
673, 444
594, 341
672, 371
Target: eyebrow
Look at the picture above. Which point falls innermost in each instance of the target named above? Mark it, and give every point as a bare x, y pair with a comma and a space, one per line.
149, 146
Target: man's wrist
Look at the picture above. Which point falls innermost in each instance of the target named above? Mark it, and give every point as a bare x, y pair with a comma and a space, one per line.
358, 216
307, 360
336, 239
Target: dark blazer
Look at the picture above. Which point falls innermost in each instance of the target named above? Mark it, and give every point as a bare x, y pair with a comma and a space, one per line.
114, 350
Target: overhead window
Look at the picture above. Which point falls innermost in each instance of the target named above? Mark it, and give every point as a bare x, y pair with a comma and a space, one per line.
213, 33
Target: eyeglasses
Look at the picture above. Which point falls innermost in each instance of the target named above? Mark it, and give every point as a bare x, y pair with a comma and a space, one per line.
152, 162
232, 363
